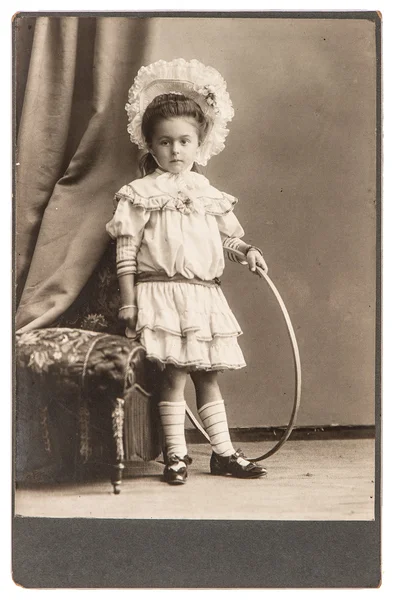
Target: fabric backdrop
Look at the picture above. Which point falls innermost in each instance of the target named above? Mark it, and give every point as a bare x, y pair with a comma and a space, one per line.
300, 156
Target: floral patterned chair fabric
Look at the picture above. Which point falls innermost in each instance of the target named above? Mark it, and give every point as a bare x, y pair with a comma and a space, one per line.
92, 389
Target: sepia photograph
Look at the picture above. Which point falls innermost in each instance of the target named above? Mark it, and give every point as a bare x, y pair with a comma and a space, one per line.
197, 268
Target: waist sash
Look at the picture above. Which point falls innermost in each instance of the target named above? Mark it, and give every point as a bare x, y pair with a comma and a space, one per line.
147, 277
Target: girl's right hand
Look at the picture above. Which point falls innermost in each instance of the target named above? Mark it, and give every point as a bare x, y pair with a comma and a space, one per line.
128, 316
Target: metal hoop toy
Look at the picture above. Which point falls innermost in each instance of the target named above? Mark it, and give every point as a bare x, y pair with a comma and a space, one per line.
297, 370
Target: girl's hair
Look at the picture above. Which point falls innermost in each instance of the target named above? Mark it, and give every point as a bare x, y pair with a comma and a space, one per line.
168, 106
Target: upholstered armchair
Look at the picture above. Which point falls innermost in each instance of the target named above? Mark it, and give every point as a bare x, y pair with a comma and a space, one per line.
85, 394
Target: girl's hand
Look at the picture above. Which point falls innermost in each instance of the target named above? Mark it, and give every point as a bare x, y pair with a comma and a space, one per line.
128, 316
255, 259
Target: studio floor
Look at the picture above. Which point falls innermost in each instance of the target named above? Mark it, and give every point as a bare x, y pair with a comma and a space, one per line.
307, 480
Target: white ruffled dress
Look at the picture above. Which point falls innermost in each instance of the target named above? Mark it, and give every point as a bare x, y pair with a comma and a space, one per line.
177, 224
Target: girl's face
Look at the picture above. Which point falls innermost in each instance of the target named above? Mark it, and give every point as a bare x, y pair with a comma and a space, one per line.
174, 144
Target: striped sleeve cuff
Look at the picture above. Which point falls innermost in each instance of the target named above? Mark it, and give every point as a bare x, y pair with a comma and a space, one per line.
237, 249
126, 255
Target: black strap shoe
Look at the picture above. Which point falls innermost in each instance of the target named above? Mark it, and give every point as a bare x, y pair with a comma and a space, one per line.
176, 477
230, 465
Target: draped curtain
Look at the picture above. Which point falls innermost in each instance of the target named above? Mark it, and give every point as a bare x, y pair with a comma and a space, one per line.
72, 151
300, 156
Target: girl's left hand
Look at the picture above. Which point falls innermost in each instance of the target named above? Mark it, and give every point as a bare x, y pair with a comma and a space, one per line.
255, 259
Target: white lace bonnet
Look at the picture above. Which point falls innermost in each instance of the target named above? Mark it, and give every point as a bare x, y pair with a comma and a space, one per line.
202, 84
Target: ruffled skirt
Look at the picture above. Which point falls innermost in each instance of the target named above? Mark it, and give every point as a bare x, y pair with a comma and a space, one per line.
188, 325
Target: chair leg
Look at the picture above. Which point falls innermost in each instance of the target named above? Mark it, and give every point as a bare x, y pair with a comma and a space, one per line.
118, 434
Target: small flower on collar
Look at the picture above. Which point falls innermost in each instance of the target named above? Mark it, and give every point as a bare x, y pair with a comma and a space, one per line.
185, 205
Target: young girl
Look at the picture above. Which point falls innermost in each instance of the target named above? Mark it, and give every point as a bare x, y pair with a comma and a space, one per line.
171, 226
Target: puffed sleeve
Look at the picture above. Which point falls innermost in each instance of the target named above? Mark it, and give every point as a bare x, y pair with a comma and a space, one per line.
127, 227
229, 226
129, 218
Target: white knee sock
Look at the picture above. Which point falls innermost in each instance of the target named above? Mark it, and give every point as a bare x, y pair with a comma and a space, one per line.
172, 415
213, 417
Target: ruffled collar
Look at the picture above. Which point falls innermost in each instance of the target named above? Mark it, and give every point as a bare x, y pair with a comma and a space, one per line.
186, 192
186, 187
189, 180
